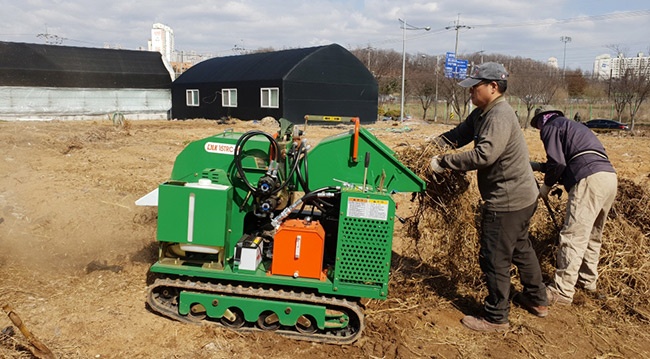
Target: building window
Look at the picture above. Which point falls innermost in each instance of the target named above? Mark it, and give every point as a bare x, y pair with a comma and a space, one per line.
192, 97
229, 97
270, 97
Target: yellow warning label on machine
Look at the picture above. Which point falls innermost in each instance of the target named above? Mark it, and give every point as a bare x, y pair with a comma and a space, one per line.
367, 208
332, 118
328, 118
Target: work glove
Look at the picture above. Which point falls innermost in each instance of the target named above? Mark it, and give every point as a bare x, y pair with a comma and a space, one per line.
536, 166
435, 165
544, 190
437, 141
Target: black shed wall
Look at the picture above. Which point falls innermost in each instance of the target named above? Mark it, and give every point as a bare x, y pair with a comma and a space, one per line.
331, 82
248, 102
321, 81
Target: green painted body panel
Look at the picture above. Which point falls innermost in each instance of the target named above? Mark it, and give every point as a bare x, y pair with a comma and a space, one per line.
216, 152
211, 158
194, 214
288, 312
228, 273
331, 162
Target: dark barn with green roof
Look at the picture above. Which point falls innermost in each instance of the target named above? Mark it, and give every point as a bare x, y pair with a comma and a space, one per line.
325, 82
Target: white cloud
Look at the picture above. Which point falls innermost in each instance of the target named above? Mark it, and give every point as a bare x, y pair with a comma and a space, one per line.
512, 27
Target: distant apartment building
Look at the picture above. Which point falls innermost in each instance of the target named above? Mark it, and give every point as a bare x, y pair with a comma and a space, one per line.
183, 60
607, 67
162, 40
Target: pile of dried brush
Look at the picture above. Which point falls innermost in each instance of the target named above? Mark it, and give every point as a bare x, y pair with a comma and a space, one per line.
443, 226
624, 268
443, 230
625, 257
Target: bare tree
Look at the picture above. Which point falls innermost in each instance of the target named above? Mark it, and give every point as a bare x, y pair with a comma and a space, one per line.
533, 82
631, 87
639, 86
576, 83
620, 93
618, 86
423, 83
385, 65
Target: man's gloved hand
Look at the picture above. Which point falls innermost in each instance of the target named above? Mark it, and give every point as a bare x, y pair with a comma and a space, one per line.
435, 165
537, 167
544, 190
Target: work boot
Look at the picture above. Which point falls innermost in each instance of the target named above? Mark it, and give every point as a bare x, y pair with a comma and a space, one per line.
523, 301
554, 297
481, 324
592, 292
595, 294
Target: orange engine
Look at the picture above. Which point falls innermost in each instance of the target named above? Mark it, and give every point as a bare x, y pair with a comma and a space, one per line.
298, 248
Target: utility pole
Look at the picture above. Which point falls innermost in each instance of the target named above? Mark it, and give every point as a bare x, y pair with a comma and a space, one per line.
51, 39
457, 26
405, 26
564, 39
368, 49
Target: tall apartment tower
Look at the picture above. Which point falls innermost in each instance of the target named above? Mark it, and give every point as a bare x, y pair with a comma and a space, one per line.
162, 40
607, 67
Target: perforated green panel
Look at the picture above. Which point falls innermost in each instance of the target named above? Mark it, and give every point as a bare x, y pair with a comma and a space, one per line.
365, 251
365, 242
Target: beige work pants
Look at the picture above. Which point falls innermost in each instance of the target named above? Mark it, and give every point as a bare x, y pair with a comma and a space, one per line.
580, 238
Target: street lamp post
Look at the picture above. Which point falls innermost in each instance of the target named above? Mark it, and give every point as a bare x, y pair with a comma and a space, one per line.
564, 39
406, 26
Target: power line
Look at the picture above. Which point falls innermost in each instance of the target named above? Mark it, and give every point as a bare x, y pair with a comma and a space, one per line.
620, 15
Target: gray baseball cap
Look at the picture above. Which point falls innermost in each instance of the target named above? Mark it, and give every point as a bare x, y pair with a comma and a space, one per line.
491, 71
541, 111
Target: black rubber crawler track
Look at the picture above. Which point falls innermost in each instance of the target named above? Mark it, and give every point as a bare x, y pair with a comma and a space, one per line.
162, 297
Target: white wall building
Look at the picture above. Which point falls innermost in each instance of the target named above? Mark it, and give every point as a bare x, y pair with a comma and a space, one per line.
162, 40
552, 61
46, 82
606, 67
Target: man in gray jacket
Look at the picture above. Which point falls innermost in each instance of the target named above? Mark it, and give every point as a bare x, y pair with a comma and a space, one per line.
509, 192
578, 159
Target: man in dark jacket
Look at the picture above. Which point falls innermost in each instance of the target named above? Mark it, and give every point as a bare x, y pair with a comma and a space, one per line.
577, 159
509, 192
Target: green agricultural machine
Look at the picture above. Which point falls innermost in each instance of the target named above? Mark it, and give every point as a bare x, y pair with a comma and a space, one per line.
259, 231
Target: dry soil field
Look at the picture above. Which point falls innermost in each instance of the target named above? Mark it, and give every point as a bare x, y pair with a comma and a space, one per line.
75, 250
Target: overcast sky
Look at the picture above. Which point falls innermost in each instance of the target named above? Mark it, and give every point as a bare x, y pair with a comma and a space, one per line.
525, 28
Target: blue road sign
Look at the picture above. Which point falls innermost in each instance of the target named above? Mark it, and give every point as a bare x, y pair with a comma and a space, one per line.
461, 69
455, 68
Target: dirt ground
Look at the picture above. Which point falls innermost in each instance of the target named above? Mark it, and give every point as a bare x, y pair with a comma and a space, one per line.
75, 251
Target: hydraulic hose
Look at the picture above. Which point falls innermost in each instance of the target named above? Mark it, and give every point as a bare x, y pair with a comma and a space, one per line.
238, 154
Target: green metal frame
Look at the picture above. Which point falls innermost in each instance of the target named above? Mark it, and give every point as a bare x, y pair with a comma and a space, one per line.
288, 312
332, 160
364, 237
